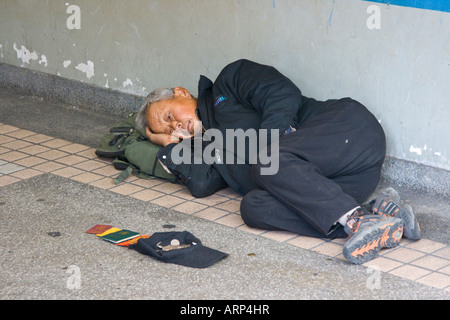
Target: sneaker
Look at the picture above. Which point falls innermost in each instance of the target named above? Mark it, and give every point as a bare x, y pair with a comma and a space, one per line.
369, 234
388, 204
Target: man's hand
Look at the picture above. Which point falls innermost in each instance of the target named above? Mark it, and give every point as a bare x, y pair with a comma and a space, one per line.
161, 139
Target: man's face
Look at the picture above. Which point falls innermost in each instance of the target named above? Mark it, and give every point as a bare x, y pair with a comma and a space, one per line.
178, 113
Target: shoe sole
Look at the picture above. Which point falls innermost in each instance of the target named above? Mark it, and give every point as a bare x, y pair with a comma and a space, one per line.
364, 246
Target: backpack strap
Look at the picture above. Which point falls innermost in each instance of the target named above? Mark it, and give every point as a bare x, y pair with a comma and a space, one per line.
124, 174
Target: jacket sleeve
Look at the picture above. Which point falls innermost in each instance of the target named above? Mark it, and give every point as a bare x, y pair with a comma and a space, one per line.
201, 178
276, 98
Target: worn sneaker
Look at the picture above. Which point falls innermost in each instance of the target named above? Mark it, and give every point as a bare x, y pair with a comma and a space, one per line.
369, 234
388, 204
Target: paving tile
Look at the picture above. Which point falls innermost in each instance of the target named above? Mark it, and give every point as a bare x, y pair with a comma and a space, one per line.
73, 148
228, 192
147, 195
231, 220
126, 188
437, 280
89, 165
55, 143
108, 171
4, 129
230, 205
30, 161
443, 252
37, 138
48, 166
329, 249
6, 180
26, 173
185, 194
10, 168
189, 207
384, 264
402, 254
425, 245
168, 187
279, 235
71, 160
168, 201
340, 241
52, 154
251, 230
67, 172
16, 144
4, 150
145, 183
7, 128
88, 153
20, 134
131, 178
105, 183
445, 270
209, 213
86, 177
13, 156
410, 272
212, 200
305, 242
431, 262
34, 149
5, 139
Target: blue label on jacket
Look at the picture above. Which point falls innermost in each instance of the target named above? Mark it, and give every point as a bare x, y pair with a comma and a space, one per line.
219, 100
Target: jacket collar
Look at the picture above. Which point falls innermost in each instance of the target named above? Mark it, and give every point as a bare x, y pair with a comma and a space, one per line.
205, 107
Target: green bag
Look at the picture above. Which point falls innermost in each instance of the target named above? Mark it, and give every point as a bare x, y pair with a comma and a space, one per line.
132, 152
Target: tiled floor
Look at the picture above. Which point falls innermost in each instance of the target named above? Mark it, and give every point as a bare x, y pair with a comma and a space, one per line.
25, 154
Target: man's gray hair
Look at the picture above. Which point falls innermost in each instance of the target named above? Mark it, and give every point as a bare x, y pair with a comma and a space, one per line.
154, 96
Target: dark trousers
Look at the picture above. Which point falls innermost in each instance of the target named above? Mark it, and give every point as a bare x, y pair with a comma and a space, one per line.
330, 165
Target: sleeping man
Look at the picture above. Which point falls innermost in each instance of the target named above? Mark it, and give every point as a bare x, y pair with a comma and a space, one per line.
302, 165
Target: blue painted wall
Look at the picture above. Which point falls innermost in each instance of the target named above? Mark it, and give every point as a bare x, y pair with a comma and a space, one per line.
438, 5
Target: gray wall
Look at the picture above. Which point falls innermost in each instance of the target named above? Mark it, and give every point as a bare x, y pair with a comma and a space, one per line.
401, 70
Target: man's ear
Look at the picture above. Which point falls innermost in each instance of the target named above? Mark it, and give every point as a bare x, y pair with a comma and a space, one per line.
181, 92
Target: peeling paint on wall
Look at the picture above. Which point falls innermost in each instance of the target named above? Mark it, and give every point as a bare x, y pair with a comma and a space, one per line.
88, 68
43, 60
414, 149
127, 82
423, 151
107, 81
24, 54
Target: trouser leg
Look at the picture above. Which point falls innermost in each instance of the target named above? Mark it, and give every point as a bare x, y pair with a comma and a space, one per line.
260, 210
326, 168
